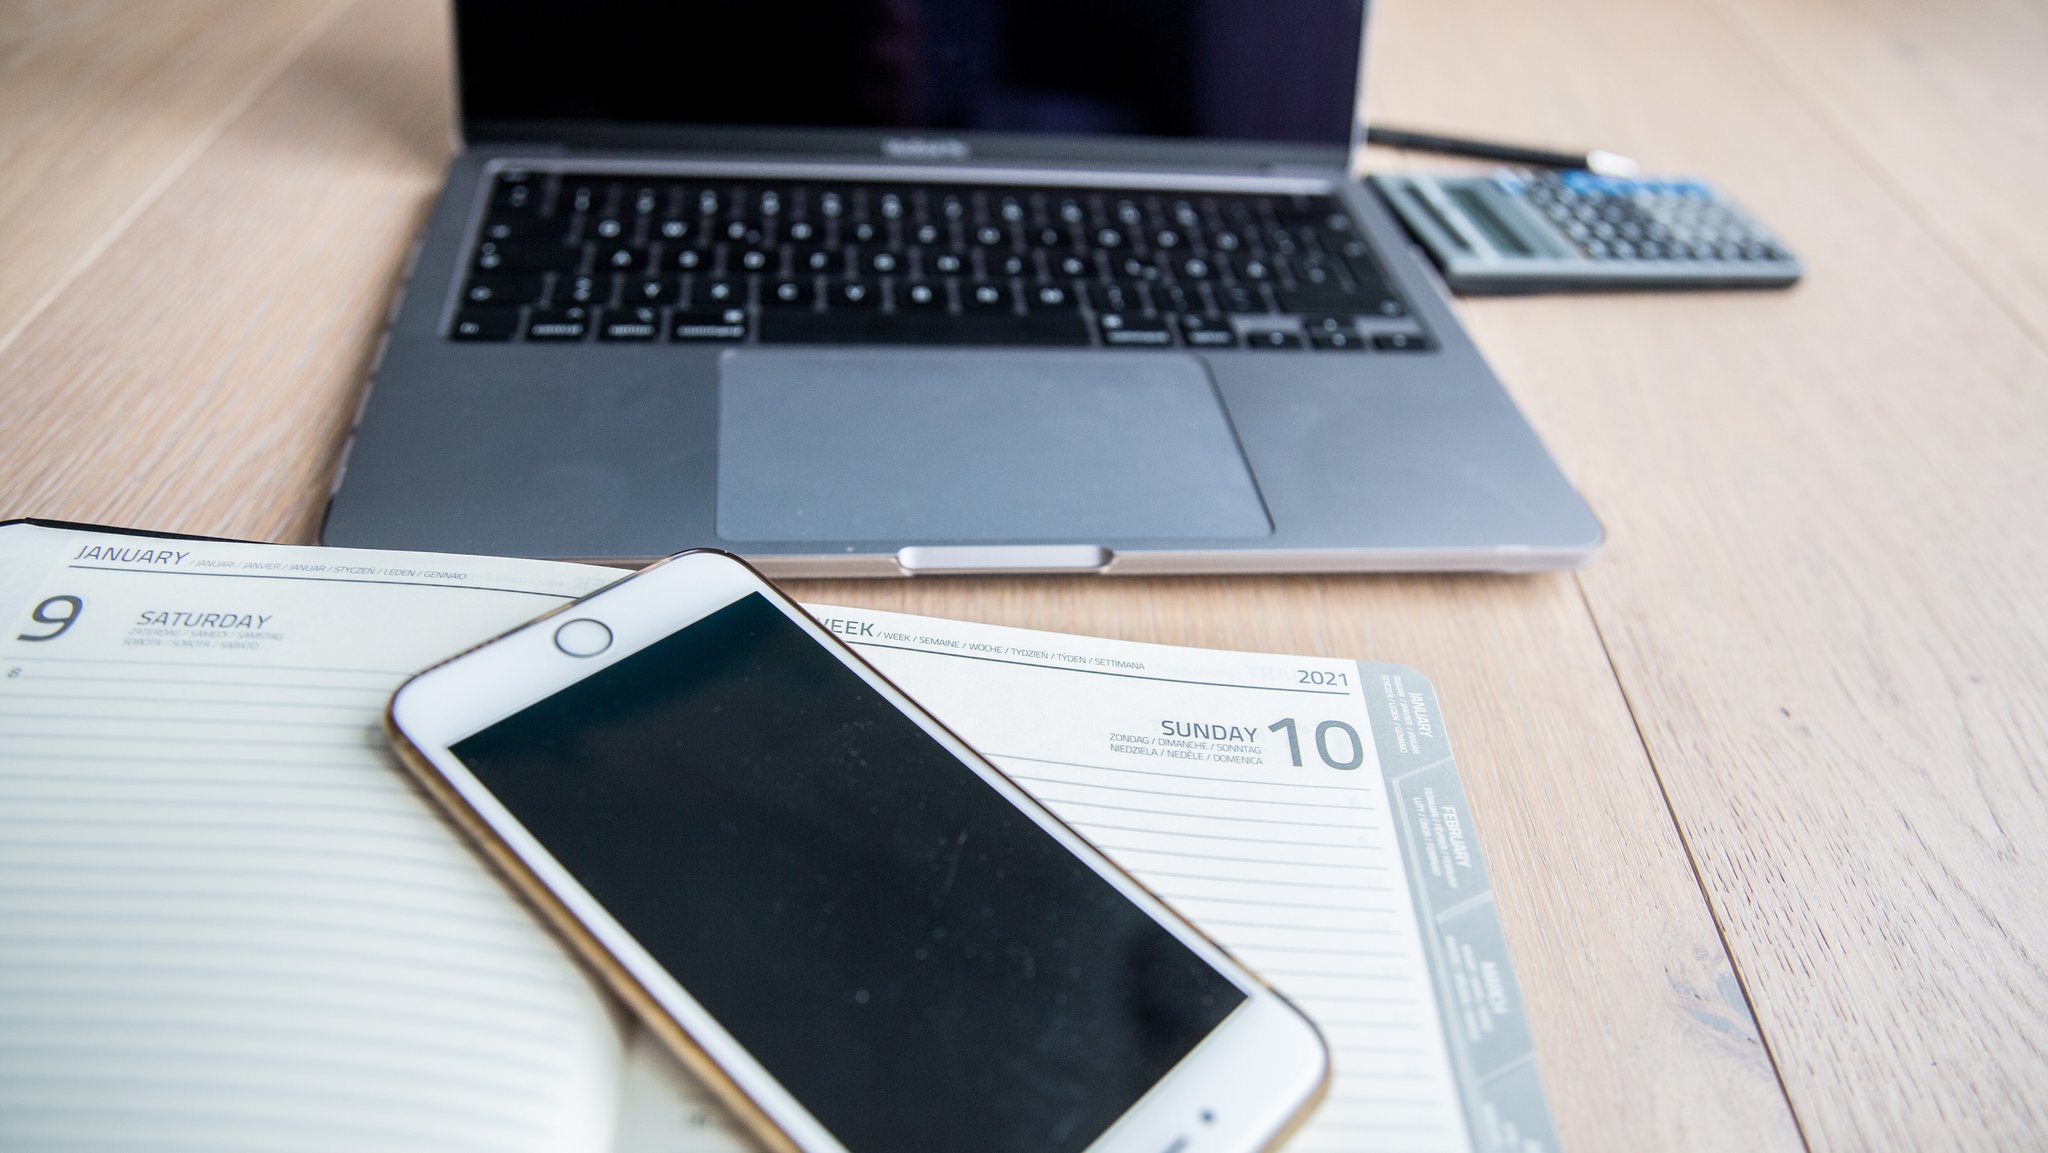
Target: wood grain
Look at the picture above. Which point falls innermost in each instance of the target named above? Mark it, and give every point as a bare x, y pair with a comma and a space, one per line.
202, 377
104, 102
1945, 102
1822, 585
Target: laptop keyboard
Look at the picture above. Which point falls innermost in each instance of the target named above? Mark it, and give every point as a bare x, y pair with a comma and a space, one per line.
565, 257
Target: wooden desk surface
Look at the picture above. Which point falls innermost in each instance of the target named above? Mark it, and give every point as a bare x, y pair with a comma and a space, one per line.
1763, 786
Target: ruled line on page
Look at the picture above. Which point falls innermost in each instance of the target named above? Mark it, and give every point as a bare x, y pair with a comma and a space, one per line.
1349, 866
1121, 769
393, 675
273, 576
1133, 791
1230, 839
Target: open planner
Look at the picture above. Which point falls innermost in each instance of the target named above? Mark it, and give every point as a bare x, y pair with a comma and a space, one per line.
232, 923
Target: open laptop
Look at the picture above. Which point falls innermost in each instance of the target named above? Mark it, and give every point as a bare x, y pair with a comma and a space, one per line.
890, 287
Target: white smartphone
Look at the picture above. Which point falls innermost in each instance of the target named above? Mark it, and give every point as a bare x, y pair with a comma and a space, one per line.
854, 928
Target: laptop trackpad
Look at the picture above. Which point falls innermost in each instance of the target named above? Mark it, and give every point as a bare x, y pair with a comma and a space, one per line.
910, 445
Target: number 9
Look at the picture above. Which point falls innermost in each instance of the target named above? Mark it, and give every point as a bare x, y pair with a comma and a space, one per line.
45, 613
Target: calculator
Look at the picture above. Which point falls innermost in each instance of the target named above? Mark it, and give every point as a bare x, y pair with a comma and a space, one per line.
1566, 231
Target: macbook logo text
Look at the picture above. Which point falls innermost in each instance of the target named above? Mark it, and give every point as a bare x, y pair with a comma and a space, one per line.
925, 148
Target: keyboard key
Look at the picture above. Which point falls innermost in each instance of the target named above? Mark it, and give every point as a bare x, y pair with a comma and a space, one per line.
1204, 332
1240, 298
485, 324
985, 297
654, 290
1121, 331
1343, 339
1327, 303
557, 324
710, 324
1048, 296
527, 256
502, 288
1252, 268
925, 327
920, 296
1317, 272
523, 228
787, 294
711, 294
815, 260
853, 294
1402, 342
1138, 268
1272, 338
1176, 298
1114, 297
584, 290
516, 191
630, 324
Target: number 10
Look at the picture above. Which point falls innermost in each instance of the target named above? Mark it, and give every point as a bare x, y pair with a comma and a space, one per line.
1354, 758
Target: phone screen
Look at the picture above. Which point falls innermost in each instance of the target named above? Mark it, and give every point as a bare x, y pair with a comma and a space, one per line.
915, 960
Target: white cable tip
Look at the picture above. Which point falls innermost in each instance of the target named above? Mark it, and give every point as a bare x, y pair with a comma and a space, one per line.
1610, 163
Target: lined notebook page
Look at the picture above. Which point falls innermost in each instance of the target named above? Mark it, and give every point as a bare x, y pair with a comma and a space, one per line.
230, 922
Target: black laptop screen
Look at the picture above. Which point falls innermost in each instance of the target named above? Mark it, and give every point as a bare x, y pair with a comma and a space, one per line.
1250, 70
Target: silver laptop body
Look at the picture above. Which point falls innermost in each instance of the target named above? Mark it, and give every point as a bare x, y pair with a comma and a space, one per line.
867, 350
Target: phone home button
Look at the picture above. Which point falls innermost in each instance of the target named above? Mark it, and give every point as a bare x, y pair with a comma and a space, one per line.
583, 637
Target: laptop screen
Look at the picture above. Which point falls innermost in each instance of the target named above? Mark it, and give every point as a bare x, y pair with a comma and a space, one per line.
1245, 70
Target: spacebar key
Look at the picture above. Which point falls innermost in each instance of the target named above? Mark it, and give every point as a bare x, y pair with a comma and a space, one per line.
854, 327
